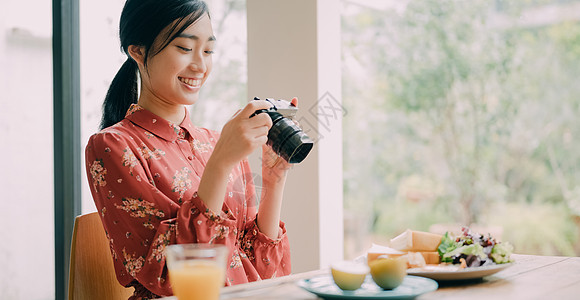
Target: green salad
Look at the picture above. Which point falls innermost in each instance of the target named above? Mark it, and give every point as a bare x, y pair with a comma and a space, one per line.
476, 249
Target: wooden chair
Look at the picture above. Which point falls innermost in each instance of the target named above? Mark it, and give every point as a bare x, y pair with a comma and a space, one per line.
91, 274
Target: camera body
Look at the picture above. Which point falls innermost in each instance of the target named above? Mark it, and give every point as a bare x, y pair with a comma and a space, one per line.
285, 137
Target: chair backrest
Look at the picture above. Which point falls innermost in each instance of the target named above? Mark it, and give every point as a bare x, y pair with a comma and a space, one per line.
91, 274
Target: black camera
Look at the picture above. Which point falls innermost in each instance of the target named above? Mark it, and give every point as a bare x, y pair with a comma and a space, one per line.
285, 138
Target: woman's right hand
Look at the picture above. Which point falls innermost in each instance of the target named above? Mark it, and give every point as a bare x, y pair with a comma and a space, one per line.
242, 134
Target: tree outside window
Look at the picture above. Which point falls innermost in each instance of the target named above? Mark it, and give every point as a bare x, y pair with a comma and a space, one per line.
463, 112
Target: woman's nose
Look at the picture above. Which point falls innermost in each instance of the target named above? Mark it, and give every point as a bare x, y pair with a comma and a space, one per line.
198, 62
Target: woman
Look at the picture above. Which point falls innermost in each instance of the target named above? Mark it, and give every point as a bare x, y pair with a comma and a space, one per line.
157, 180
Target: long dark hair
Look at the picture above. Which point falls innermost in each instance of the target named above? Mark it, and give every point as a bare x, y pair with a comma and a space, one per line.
142, 21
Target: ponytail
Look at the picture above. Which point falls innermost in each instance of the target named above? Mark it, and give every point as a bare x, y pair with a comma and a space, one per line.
121, 94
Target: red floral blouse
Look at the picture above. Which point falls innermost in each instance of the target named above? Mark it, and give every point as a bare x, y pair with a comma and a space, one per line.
144, 173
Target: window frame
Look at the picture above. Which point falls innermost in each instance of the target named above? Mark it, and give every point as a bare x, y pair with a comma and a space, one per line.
66, 120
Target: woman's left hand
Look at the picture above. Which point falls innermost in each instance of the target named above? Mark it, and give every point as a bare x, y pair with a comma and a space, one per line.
274, 167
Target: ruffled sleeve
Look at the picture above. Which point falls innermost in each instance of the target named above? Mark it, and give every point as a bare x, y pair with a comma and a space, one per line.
198, 224
271, 258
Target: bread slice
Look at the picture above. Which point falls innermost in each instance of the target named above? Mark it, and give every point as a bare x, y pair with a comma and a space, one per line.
416, 241
430, 257
378, 250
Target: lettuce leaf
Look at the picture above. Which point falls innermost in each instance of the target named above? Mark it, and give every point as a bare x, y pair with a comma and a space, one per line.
500, 253
473, 249
447, 245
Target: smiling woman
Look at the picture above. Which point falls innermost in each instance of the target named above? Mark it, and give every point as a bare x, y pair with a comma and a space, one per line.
156, 179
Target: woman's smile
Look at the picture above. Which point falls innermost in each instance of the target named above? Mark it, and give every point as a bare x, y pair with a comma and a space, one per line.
191, 82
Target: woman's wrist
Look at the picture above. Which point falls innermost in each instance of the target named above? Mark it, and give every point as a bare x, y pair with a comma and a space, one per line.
271, 204
275, 174
219, 165
272, 179
213, 184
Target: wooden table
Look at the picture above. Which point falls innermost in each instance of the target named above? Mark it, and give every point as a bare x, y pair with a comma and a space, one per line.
531, 277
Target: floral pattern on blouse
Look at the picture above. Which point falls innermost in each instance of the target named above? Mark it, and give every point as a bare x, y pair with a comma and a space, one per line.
197, 145
144, 173
181, 182
151, 154
220, 233
98, 173
133, 264
129, 160
236, 260
158, 246
139, 208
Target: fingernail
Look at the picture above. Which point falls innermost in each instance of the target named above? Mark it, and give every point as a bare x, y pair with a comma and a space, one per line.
294, 102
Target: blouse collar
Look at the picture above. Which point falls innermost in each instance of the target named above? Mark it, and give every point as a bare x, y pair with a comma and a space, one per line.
157, 125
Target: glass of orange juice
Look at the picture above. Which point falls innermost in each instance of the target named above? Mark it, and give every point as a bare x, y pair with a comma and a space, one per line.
196, 271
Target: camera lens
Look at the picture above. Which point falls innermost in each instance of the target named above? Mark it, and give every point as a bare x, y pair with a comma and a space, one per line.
287, 139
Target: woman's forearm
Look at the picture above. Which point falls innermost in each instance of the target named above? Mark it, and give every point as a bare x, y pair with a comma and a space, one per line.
213, 185
268, 218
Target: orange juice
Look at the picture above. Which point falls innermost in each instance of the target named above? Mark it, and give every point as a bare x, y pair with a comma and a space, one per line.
197, 280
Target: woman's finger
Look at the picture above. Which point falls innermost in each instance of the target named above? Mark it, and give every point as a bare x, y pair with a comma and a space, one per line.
258, 132
260, 120
253, 106
236, 114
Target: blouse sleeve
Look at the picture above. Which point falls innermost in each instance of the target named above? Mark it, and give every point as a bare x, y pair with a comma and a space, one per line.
270, 257
141, 221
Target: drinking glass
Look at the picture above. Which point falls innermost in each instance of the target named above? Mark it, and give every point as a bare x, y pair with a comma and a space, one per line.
196, 271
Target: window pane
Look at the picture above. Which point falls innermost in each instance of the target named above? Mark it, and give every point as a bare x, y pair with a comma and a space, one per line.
100, 61
225, 91
26, 128
463, 112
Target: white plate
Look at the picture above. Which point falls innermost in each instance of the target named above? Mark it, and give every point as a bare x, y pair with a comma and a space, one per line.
462, 274
323, 286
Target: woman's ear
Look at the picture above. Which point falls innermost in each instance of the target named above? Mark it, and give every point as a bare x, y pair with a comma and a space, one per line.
137, 53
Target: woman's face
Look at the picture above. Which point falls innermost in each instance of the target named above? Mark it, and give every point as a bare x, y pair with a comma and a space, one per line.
175, 75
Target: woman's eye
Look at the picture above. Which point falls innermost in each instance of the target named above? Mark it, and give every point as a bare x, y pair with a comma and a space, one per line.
209, 52
184, 49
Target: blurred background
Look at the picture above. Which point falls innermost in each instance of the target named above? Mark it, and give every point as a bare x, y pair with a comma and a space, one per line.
466, 113
458, 113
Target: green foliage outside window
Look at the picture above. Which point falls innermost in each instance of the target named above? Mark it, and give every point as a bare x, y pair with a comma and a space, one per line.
464, 112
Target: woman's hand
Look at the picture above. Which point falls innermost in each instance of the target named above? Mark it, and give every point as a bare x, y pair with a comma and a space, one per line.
241, 135
274, 167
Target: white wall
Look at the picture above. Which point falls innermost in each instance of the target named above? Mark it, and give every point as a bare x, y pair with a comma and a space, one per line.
294, 50
26, 167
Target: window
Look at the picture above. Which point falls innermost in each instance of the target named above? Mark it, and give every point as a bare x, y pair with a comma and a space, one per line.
101, 58
462, 112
